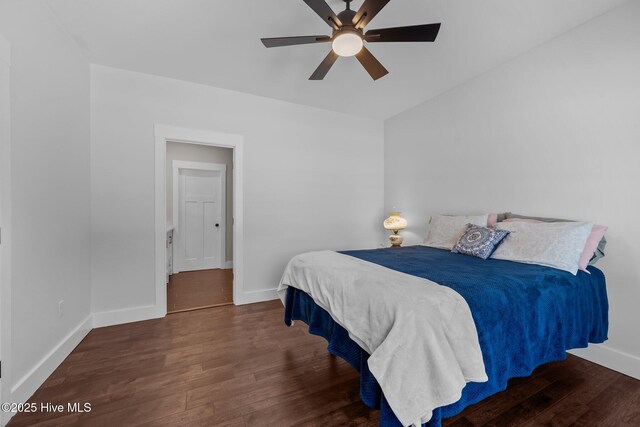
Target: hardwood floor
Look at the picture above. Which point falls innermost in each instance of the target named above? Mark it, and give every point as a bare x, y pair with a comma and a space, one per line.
240, 366
193, 290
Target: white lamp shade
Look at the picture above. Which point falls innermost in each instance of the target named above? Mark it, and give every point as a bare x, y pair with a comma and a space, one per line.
395, 222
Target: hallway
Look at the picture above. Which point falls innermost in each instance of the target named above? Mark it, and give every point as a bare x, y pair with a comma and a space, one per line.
192, 290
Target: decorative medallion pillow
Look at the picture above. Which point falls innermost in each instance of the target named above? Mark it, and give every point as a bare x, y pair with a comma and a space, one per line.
444, 231
554, 244
479, 241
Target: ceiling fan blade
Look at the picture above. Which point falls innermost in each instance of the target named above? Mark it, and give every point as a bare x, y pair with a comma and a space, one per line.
325, 12
368, 11
325, 66
292, 41
375, 69
415, 33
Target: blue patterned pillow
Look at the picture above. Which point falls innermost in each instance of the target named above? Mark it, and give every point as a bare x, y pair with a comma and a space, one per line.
479, 241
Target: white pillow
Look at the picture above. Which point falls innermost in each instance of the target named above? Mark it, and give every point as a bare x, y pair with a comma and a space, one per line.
553, 244
445, 231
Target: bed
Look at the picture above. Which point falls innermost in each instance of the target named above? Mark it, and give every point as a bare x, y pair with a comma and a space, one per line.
525, 315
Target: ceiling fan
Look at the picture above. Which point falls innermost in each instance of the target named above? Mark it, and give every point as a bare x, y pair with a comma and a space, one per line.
348, 36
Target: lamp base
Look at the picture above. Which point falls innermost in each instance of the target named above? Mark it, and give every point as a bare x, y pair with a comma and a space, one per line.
396, 240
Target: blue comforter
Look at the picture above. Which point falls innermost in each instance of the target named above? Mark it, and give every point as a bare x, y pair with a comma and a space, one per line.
525, 315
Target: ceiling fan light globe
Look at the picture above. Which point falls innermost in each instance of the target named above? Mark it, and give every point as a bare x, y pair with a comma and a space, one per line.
348, 44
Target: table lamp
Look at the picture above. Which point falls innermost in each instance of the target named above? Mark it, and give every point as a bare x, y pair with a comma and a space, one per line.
395, 223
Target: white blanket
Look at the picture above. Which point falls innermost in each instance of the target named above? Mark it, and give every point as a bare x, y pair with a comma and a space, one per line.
420, 335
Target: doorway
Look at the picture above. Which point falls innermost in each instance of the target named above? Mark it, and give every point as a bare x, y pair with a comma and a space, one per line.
162, 135
199, 226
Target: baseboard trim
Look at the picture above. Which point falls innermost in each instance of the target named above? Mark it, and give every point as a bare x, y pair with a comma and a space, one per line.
228, 265
611, 358
137, 314
27, 385
127, 315
252, 297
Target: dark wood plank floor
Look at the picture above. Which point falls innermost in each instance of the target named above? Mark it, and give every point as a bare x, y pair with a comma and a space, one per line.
193, 290
240, 366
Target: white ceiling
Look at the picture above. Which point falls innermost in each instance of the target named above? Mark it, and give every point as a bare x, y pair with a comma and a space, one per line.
217, 43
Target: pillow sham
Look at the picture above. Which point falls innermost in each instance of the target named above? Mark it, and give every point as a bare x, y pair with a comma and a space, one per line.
596, 238
501, 217
597, 234
598, 253
444, 231
554, 244
479, 241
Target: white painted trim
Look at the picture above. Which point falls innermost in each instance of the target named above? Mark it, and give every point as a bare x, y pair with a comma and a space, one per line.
611, 358
127, 315
28, 384
228, 265
252, 297
5, 248
177, 165
202, 137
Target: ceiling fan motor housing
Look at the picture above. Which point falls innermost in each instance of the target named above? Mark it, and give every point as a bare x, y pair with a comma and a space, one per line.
346, 17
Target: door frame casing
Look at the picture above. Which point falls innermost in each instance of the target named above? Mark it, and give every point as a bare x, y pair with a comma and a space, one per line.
164, 134
177, 165
5, 247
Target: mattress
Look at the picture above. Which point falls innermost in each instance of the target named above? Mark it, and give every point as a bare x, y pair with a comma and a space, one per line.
525, 315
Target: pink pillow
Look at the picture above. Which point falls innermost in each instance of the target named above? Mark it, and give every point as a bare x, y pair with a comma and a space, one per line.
597, 233
492, 219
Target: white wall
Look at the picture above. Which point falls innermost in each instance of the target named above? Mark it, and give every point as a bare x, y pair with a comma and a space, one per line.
207, 154
306, 172
50, 194
553, 133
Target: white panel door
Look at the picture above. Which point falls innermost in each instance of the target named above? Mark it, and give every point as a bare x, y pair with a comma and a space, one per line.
200, 219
